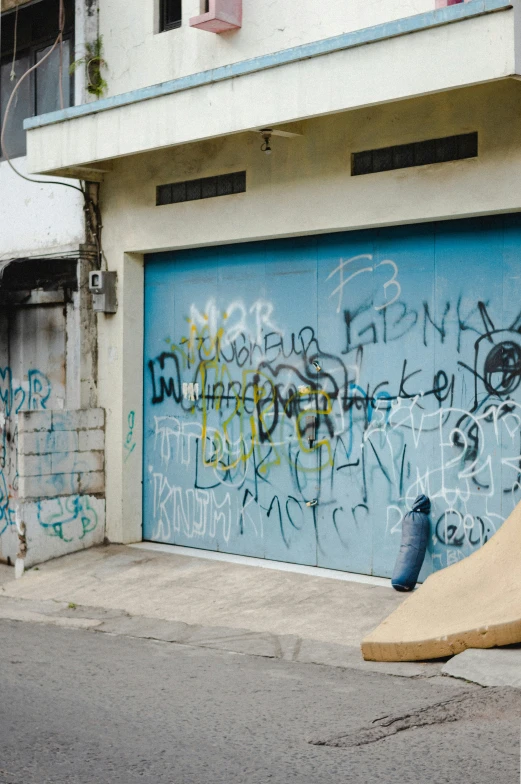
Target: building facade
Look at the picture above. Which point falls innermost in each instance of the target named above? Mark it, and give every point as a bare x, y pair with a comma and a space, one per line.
51, 430
314, 224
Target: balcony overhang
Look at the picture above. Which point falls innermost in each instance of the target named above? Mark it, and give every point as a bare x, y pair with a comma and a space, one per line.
444, 49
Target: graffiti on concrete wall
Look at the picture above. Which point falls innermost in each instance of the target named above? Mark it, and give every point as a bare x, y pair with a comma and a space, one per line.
315, 437
15, 396
130, 439
68, 518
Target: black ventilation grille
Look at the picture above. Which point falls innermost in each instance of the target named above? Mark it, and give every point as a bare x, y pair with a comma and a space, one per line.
205, 188
403, 156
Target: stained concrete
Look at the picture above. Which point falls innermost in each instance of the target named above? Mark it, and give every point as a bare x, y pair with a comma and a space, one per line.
210, 593
79, 707
192, 601
493, 667
476, 603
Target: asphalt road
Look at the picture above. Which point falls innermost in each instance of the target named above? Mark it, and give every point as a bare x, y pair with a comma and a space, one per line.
80, 707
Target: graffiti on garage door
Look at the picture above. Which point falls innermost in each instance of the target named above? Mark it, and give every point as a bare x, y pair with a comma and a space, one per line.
306, 439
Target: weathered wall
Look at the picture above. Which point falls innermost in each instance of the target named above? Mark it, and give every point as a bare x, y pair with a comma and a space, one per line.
137, 56
60, 453
46, 218
32, 378
46, 451
57, 526
51, 465
51, 469
304, 187
60, 468
393, 67
37, 218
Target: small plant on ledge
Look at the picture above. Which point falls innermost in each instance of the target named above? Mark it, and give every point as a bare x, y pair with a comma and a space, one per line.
93, 62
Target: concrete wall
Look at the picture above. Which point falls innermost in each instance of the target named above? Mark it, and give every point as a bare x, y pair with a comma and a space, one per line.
392, 67
45, 218
57, 526
37, 218
60, 453
33, 377
60, 481
138, 55
46, 451
51, 466
304, 187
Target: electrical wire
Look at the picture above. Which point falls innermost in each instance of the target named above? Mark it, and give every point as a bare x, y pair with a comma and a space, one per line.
15, 44
91, 209
59, 40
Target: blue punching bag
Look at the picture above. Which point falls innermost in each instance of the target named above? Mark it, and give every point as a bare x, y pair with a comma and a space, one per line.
415, 535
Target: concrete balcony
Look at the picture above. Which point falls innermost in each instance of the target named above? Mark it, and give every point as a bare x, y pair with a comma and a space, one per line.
443, 49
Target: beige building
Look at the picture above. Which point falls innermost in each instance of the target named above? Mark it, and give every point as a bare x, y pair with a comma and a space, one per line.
332, 328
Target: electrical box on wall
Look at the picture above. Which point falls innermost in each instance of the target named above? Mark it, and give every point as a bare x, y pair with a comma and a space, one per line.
221, 16
102, 286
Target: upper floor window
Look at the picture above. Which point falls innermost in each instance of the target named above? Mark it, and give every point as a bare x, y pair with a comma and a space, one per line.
170, 14
26, 37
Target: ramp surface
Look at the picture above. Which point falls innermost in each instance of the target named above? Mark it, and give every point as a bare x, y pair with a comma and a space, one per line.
476, 603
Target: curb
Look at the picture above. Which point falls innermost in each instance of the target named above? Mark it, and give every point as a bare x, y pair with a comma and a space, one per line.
242, 641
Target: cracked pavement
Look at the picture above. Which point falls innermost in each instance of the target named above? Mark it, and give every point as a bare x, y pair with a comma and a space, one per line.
84, 708
121, 666
486, 705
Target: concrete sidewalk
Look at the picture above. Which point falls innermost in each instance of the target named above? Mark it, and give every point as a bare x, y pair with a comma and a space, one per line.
216, 604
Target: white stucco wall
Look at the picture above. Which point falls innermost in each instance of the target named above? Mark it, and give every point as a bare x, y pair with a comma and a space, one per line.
303, 187
470, 51
37, 218
137, 55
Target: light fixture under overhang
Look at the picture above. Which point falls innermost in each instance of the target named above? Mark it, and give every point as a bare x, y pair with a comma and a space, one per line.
267, 133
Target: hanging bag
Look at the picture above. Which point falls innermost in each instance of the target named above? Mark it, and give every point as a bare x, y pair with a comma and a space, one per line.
415, 535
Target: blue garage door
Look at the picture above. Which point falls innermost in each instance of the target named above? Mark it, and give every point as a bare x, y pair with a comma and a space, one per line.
299, 394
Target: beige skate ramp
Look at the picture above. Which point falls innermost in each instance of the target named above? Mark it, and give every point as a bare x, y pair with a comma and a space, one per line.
476, 603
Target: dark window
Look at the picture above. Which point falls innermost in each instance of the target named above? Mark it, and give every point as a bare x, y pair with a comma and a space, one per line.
205, 188
35, 29
239, 182
170, 14
403, 156
46, 77
21, 107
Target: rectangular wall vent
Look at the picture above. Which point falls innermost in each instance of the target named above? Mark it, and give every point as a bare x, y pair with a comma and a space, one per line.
205, 188
403, 156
